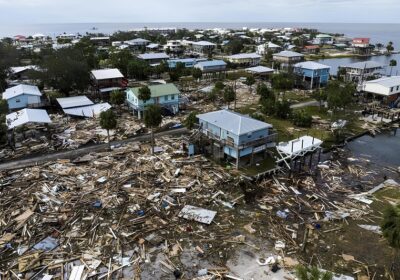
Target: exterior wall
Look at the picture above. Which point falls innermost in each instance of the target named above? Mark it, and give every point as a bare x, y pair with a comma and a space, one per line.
321, 74
170, 100
381, 90
213, 68
222, 134
243, 139
188, 64
289, 60
203, 48
22, 101
245, 61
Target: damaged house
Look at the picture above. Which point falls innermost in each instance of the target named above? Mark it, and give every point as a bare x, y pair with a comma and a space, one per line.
236, 136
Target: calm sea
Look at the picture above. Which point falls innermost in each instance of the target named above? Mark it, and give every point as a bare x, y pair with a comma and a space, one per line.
379, 33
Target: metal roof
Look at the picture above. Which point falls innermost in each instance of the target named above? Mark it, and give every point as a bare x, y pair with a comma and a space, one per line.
244, 56
104, 74
20, 90
311, 65
25, 116
260, 69
88, 111
137, 41
233, 122
364, 65
288, 54
146, 56
386, 81
203, 43
209, 63
158, 90
74, 101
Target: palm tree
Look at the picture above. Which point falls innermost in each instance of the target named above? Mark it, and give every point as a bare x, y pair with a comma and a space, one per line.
392, 64
312, 273
391, 228
152, 119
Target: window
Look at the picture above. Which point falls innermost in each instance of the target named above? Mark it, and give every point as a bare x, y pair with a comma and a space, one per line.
397, 88
166, 98
172, 96
17, 100
391, 89
249, 135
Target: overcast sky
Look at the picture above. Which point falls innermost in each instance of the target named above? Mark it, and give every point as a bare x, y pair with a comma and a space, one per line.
80, 11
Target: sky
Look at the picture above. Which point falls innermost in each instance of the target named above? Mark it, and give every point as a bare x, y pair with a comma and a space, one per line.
82, 11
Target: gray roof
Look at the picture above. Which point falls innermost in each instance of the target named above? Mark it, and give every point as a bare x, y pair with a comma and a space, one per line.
233, 122
25, 116
74, 101
260, 69
146, 56
288, 54
244, 56
311, 65
364, 65
105, 74
20, 90
203, 43
209, 63
386, 81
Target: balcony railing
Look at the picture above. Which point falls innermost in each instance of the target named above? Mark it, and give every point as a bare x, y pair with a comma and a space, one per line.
257, 142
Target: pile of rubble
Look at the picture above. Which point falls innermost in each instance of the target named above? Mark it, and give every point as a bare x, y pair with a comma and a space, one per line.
128, 214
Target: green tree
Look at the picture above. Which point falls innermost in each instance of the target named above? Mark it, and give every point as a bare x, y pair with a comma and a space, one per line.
320, 95
66, 70
3, 107
338, 95
391, 228
219, 85
392, 64
121, 60
229, 95
117, 97
283, 81
108, 121
152, 119
197, 73
282, 109
144, 93
234, 46
138, 69
312, 273
250, 80
389, 48
190, 120
264, 92
302, 119
3, 130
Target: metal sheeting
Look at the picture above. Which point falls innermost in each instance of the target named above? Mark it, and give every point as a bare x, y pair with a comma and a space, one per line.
25, 116
74, 101
88, 111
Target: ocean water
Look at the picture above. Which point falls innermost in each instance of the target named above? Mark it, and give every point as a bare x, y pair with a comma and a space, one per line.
379, 33
334, 63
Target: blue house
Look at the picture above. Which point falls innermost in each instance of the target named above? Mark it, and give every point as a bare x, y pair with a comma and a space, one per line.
236, 135
22, 96
211, 66
311, 74
165, 95
188, 62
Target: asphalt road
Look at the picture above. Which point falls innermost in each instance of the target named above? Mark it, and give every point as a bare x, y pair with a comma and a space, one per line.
70, 154
305, 104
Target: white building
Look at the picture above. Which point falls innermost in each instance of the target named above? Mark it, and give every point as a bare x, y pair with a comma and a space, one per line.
386, 87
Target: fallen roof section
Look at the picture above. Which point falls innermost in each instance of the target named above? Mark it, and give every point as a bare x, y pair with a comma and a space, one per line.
88, 111
25, 116
74, 101
197, 214
105, 74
